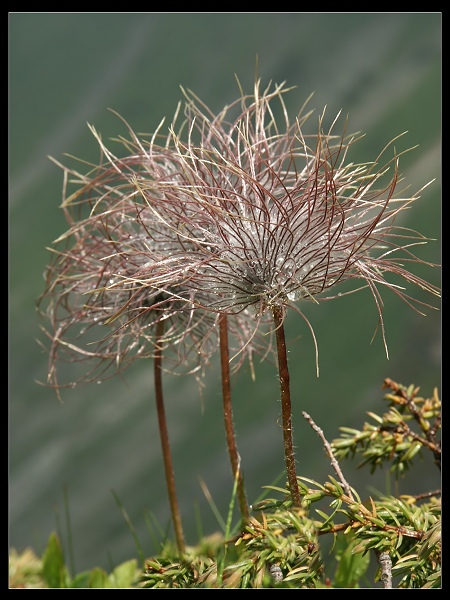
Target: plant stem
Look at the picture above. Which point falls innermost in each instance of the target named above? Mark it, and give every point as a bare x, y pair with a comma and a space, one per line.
386, 569
283, 372
228, 416
165, 445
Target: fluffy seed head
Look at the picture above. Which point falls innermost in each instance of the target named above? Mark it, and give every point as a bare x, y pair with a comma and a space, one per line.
240, 213
277, 216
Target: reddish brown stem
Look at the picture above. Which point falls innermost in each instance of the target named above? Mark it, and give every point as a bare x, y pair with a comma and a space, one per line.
283, 372
228, 417
165, 445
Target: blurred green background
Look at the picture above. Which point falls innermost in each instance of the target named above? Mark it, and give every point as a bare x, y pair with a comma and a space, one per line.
67, 69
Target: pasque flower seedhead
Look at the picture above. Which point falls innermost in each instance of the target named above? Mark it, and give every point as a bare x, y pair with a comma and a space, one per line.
276, 215
115, 274
238, 213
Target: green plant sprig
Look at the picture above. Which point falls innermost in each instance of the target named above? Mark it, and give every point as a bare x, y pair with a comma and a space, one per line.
392, 438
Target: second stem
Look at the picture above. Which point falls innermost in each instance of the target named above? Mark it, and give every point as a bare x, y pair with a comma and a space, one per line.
286, 411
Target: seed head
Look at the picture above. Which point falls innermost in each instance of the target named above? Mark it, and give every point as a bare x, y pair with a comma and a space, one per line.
114, 275
241, 213
277, 216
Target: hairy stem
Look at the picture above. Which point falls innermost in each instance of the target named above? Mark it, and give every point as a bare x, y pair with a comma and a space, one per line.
283, 372
165, 445
228, 416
